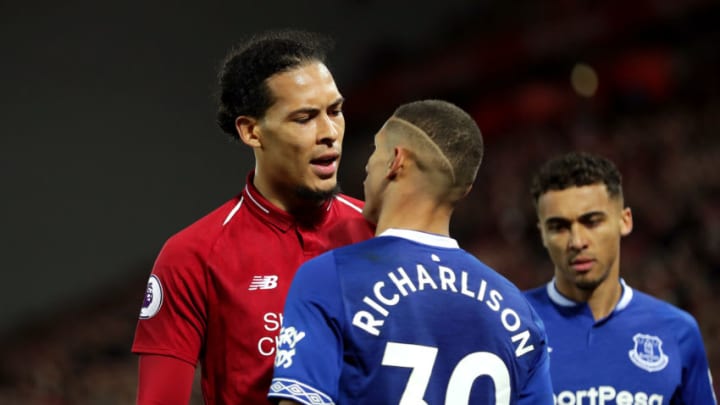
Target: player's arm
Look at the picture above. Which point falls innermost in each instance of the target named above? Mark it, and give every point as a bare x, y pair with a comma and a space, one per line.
164, 380
696, 379
171, 327
288, 402
538, 388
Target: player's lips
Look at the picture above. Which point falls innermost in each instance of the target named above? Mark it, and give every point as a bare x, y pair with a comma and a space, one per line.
325, 165
582, 264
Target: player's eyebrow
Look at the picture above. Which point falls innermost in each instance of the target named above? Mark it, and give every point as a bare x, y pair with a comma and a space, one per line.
340, 100
557, 221
592, 215
314, 110
582, 218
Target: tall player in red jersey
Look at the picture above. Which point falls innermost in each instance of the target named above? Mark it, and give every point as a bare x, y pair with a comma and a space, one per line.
216, 292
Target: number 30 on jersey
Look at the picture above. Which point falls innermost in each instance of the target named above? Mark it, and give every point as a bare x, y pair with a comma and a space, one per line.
421, 360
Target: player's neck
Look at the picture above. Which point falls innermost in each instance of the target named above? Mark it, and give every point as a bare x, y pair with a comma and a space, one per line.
418, 214
603, 299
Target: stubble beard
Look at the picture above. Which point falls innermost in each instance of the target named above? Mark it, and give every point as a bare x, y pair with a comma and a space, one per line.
586, 284
317, 196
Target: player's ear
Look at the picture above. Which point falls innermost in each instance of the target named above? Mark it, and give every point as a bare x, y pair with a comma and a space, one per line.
626, 221
248, 130
397, 163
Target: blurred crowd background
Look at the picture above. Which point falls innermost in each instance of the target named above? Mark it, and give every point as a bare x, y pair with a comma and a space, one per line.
634, 81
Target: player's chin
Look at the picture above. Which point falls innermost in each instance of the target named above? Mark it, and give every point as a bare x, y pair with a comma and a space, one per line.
587, 282
320, 191
325, 185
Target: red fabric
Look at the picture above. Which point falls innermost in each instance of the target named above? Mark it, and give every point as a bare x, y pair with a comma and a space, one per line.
224, 281
164, 380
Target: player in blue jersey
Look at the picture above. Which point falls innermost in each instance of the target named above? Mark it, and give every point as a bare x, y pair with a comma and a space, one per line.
409, 317
609, 344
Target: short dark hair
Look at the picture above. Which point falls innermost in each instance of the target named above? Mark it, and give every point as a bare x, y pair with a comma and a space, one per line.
453, 130
576, 169
246, 68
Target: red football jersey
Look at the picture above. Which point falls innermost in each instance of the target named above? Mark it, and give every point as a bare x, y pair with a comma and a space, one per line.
217, 289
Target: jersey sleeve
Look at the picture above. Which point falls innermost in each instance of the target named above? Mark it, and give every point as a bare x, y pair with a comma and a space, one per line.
538, 389
163, 380
173, 314
308, 361
696, 379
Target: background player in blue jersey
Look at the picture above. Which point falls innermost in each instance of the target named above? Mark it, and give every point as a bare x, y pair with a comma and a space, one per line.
408, 317
608, 343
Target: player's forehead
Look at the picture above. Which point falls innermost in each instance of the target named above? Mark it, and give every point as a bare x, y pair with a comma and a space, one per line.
309, 85
574, 202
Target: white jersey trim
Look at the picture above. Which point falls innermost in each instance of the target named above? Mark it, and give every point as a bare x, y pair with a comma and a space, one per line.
626, 297
267, 211
559, 299
233, 211
422, 237
348, 203
264, 209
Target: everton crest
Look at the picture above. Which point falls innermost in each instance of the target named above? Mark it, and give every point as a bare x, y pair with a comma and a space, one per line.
647, 353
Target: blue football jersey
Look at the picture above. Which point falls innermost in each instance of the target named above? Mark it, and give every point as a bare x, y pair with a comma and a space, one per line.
645, 352
408, 318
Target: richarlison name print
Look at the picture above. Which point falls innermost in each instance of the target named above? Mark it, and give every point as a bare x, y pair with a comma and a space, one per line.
401, 283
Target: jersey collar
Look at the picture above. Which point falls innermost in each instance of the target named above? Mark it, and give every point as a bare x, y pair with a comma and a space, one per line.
274, 215
561, 300
422, 237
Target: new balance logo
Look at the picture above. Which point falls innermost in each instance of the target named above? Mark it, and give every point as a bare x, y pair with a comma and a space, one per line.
263, 283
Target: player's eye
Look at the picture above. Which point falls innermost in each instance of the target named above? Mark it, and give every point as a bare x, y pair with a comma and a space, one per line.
556, 226
302, 118
593, 220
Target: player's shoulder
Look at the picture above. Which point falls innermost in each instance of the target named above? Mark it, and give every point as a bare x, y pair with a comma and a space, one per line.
661, 310
539, 300
497, 281
201, 234
537, 294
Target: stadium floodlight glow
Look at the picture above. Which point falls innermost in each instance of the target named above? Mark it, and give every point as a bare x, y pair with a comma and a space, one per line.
584, 80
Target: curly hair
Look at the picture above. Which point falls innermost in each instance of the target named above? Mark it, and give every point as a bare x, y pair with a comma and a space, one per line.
576, 169
246, 68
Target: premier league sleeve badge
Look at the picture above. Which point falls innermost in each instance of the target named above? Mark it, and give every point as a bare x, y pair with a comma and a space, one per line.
152, 301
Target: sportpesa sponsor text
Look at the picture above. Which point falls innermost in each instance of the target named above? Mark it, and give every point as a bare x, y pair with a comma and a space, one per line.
606, 395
